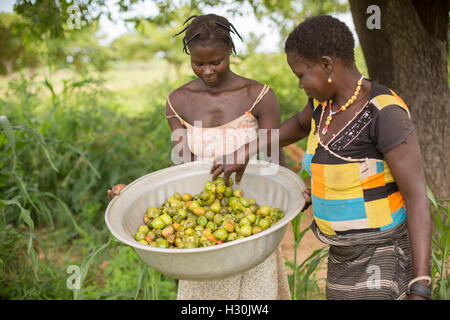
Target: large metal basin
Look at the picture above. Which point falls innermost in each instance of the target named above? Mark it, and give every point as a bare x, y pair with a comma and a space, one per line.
125, 213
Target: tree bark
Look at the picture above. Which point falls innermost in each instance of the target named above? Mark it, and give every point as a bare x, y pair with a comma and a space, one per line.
409, 55
8, 64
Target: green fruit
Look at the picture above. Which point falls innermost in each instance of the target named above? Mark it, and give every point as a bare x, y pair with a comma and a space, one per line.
153, 212
220, 234
237, 193
251, 217
143, 229
211, 199
176, 204
244, 221
232, 236
265, 223
276, 214
228, 192
139, 236
191, 239
166, 218
179, 234
199, 211
158, 223
202, 221
189, 245
214, 215
170, 211
224, 202
238, 215
194, 204
179, 243
215, 207
182, 213
245, 202
162, 243
220, 180
246, 230
218, 219
204, 195
220, 188
256, 229
209, 215
189, 232
264, 211
207, 243
199, 229
190, 223
237, 206
186, 197
254, 208
210, 186
229, 226
211, 225
177, 196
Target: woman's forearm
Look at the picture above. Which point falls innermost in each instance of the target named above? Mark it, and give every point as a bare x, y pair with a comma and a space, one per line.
419, 230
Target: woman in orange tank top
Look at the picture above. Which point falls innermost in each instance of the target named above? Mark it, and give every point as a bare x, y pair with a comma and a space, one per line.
215, 114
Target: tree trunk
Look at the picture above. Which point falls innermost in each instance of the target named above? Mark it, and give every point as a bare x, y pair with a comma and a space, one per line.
409, 55
8, 64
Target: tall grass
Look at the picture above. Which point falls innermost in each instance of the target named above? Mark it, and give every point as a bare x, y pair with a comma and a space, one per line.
303, 281
62, 145
440, 211
60, 152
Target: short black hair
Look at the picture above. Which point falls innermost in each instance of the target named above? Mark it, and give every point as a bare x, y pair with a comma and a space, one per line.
319, 36
207, 29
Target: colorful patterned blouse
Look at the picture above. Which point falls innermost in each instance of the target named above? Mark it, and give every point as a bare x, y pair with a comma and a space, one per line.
351, 185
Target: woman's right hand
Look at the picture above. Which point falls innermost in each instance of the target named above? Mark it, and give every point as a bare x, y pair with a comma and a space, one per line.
115, 191
307, 196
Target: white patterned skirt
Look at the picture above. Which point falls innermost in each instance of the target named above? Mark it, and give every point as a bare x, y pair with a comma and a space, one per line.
266, 281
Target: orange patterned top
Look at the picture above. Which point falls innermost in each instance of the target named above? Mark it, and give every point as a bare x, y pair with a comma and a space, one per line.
208, 143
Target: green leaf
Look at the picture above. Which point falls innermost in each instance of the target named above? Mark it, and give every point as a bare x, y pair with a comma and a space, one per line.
24, 213
84, 158
42, 144
431, 197
67, 211
85, 266
7, 128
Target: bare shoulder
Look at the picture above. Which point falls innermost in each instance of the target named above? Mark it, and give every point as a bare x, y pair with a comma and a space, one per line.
179, 96
254, 87
269, 100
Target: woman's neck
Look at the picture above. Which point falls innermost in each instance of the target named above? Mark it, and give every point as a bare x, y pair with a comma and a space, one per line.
345, 86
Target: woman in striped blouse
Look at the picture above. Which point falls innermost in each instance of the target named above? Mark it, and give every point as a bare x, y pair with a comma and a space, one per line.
367, 181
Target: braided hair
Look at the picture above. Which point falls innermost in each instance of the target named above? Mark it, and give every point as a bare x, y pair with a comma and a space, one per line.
207, 29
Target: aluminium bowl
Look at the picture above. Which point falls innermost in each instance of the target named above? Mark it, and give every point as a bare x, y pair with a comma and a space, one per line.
272, 185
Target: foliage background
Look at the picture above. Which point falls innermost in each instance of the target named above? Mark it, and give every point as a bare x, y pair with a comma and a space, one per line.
77, 117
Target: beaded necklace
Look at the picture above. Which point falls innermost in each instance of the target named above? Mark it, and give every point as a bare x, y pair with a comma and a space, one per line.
344, 107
